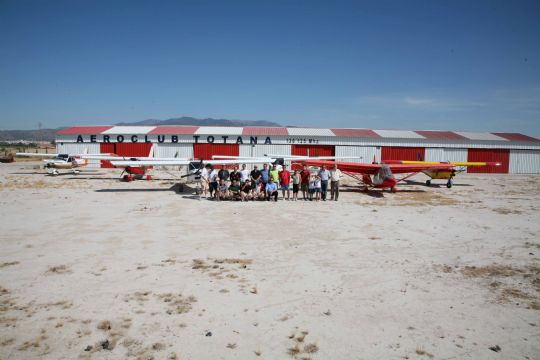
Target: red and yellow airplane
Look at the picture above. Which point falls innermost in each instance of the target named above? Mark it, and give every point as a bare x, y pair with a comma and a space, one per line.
379, 176
443, 174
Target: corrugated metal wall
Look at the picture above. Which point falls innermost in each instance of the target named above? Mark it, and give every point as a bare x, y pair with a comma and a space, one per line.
78, 148
402, 153
365, 152
445, 154
498, 155
260, 150
524, 162
174, 150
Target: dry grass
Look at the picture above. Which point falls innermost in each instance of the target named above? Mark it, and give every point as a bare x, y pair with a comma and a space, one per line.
104, 325
492, 271
506, 211
177, 304
423, 198
3, 265
509, 293
534, 305
231, 346
311, 348
293, 351
422, 351
58, 269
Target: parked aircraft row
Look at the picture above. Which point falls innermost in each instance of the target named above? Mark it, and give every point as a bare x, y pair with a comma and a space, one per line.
371, 175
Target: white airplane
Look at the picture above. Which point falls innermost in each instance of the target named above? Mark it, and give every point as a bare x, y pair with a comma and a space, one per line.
61, 161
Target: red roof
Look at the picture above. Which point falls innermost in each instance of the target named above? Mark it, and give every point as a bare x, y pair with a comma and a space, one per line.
255, 130
365, 133
443, 135
83, 130
174, 129
516, 137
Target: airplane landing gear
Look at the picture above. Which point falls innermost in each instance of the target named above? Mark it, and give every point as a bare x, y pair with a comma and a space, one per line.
428, 182
394, 189
449, 183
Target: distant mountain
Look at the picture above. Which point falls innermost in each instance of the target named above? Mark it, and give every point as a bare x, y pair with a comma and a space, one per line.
186, 120
28, 135
50, 134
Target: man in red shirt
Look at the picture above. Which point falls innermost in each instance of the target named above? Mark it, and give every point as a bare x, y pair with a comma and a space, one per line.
285, 180
305, 175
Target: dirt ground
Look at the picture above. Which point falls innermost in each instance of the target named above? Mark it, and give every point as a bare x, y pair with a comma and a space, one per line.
94, 268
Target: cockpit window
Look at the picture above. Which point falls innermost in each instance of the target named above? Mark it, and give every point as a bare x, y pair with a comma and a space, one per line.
382, 174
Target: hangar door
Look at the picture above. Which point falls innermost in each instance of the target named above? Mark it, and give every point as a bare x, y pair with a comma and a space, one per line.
498, 155
124, 149
313, 150
206, 151
403, 153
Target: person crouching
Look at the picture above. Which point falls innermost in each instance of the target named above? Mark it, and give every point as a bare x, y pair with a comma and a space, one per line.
271, 190
222, 191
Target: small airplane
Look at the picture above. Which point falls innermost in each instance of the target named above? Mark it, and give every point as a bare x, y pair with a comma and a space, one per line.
375, 175
60, 162
443, 174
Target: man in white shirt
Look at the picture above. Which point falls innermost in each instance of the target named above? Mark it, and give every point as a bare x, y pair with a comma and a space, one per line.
324, 175
244, 174
335, 177
213, 180
205, 176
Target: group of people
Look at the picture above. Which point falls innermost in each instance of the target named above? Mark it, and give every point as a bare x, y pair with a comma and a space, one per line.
245, 185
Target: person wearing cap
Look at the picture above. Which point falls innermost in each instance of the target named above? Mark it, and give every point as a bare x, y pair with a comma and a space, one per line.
324, 176
285, 180
335, 177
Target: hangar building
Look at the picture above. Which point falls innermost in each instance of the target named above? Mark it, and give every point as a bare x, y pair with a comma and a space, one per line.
519, 154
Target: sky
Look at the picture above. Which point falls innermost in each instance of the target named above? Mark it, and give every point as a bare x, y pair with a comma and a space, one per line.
430, 65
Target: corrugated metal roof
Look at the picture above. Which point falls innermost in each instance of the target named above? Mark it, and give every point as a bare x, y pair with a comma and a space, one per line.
83, 130
399, 134
480, 136
516, 137
443, 135
129, 130
219, 130
254, 130
310, 132
174, 129
364, 133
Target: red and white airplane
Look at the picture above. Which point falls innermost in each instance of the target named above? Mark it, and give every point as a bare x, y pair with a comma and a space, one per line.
379, 176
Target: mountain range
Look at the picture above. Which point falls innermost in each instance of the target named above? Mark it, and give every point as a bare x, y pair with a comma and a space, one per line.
50, 134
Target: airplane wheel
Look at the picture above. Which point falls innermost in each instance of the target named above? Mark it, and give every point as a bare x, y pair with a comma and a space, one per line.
394, 189
449, 184
428, 182
148, 177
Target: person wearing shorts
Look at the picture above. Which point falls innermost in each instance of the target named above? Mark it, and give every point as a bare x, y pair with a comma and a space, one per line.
297, 179
285, 180
204, 180
317, 188
255, 177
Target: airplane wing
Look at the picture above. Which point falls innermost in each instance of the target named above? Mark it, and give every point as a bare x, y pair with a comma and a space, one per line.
177, 162
127, 158
36, 155
454, 163
360, 168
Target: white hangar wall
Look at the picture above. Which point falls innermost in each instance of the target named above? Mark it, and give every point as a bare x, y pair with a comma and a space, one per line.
524, 162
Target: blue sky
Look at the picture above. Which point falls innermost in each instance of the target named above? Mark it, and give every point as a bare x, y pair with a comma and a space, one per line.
448, 65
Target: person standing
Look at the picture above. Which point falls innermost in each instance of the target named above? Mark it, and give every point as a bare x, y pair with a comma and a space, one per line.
255, 177
296, 180
223, 174
317, 187
274, 175
213, 179
305, 175
265, 176
205, 179
284, 181
244, 174
324, 176
235, 176
335, 177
